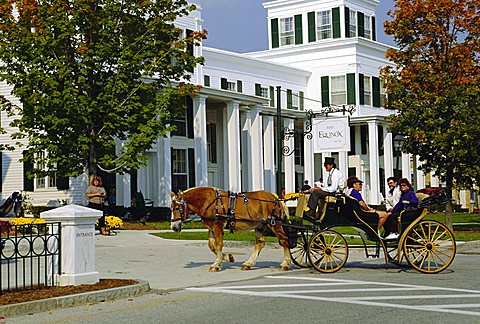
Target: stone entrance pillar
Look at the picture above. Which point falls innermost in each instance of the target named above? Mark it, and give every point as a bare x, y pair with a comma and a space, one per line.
77, 254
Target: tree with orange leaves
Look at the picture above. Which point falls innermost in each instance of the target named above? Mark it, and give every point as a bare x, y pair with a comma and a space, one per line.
435, 86
90, 73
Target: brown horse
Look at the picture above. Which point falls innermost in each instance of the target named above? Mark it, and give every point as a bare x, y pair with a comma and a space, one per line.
219, 209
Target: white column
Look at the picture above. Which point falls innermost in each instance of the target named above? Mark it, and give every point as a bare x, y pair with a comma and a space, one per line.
164, 160
233, 146
343, 163
257, 180
309, 158
387, 154
373, 154
420, 174
269, 153
289, 165
434, 181
246, 139
200, 137
406, 167
77, 228
324, 172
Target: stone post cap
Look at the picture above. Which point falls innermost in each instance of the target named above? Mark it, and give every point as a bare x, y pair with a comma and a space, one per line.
73, 213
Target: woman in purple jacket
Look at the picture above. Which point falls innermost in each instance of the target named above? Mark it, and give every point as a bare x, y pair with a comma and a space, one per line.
407, 198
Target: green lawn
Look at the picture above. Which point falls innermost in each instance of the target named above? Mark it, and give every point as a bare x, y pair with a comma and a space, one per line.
468, 232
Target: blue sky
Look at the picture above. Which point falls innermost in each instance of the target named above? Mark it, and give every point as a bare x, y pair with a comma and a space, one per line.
241, 25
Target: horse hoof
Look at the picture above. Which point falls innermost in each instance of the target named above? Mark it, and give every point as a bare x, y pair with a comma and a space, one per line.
231, 258
214, 269
246, 267
284, 268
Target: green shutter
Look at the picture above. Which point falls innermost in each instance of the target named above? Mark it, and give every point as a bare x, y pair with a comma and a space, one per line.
361, 86
298, 30
189, 117
347, 22
361, 24
191, 167
312, 30
325, 91
376, 91
27, 178
336, 22
351, 89
275, 34
239, 86
289, 99
374, 29
272, 97
258, 89
189, 32
223, 84
302, 100
206, 80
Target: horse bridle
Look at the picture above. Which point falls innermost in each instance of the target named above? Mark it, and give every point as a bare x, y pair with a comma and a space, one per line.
179, 205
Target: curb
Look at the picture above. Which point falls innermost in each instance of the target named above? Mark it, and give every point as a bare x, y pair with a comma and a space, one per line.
463, 247
42, 305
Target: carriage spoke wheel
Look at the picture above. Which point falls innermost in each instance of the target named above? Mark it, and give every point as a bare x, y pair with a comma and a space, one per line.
328, 251
429, 247
299, 253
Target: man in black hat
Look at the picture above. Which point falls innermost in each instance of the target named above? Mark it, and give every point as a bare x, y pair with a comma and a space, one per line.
333, 184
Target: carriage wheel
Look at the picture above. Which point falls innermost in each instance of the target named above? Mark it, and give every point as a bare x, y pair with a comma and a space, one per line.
328, 251
429, 247
299, 253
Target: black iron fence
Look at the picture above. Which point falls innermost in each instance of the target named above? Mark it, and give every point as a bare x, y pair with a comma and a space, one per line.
30, 255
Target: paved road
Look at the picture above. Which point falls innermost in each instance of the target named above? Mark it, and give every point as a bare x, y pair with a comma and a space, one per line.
185, 292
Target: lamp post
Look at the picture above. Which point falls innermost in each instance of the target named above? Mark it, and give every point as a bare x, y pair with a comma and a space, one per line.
397, 145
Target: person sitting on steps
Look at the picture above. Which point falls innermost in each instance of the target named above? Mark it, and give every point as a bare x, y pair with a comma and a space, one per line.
333, 184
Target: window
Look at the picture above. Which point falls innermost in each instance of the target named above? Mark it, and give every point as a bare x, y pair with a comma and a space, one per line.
339, 92
353, 23
179, 169
367, 27
206, 80
287, 31
231, 86
324, 23
367, 91
383, 94
42, 182
180, 123
183, 120
264, 92
295, 100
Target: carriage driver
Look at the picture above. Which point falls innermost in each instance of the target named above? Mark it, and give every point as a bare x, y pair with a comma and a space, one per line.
334, 183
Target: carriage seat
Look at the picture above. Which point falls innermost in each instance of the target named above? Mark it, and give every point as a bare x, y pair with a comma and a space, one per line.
355, 213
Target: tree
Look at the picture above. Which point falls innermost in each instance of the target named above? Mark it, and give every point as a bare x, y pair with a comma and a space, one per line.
91, 74
435, 86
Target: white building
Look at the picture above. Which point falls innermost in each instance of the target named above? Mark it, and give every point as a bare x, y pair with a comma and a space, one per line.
321, 53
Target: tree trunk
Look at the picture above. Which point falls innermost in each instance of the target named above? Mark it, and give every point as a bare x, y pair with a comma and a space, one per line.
448, 207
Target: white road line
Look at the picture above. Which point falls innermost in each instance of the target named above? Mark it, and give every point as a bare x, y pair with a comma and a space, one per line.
358, 300
370, 283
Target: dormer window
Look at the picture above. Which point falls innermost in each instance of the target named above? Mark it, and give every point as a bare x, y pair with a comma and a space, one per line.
324, 23
287, 32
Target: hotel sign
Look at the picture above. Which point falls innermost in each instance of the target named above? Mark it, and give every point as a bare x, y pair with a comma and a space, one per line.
331, 135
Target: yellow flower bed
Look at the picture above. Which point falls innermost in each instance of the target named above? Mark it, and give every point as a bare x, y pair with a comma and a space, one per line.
27, 221
291, 196
113, 222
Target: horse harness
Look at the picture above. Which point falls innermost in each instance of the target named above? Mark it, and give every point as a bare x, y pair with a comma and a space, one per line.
227, 213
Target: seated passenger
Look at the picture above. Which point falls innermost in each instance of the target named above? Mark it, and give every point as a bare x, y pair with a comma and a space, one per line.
334, 183
407, 198
356, 185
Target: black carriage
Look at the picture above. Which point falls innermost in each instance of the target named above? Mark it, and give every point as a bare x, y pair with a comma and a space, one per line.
428, 246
